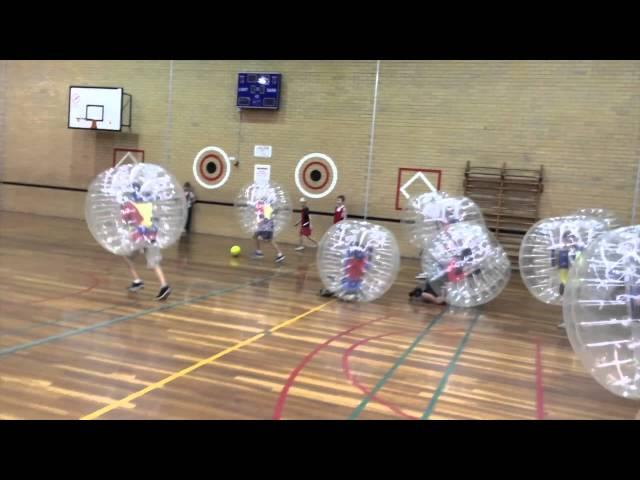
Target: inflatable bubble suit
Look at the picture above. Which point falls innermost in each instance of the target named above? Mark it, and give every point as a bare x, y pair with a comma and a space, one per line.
474, 265
358, 260
430, 213
607, 216
257, 205
602, 310
549, 249
133, 206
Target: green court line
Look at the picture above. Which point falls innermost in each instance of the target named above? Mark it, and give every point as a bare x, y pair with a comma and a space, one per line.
48, 323
59, 321
106, 323
358, 410
450, 368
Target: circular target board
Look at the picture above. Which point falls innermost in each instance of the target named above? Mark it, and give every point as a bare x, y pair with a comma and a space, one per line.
316, 175
211, 167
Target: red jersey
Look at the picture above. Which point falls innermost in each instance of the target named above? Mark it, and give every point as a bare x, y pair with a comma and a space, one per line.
338, 214
305, 221
454, 273
356, 268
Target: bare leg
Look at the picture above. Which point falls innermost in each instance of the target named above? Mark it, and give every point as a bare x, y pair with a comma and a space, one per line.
160, 274
132, 269
275, 246
257, 244
313, 241
430, 298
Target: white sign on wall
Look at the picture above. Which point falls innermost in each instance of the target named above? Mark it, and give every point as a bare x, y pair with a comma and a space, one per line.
261, 174
262, 151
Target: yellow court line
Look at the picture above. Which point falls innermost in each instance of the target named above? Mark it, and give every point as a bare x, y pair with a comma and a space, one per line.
195, 366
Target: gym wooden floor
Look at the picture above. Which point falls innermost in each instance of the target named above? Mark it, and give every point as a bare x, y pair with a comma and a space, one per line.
246, 339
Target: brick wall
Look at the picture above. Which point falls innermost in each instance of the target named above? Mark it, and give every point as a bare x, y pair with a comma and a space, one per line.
578, 119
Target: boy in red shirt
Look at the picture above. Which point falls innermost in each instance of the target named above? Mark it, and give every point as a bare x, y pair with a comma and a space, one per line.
305, 225
340, 213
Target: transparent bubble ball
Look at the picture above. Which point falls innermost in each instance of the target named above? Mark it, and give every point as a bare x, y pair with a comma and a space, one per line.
610, 218
549, 249
258, 204
601, 310
358, 260
469, 261
134, 206
428, 214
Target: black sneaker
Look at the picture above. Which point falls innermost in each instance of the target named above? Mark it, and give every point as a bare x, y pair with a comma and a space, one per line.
416, 292
280, 258
163, 293
135, 286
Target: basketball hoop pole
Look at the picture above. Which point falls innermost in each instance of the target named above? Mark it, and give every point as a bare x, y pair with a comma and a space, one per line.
371, 138
635, 196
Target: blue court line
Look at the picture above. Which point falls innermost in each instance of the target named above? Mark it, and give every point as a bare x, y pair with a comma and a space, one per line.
106, 323
450, 368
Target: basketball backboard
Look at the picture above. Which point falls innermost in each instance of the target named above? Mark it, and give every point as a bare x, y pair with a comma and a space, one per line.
95, 108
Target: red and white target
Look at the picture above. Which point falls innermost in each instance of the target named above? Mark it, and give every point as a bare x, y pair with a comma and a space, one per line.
211, 167
316, 175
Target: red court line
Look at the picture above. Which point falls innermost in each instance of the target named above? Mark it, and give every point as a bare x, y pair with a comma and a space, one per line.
282, 398
539, 383
354, 381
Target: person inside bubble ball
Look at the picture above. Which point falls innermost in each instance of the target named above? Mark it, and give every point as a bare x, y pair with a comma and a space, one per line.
137, 215
264, 230
458, 266
449, 217
356, 262
455, 270
563, 257
632, 292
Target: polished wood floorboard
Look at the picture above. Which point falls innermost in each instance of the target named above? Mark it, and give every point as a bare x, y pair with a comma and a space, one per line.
74, 343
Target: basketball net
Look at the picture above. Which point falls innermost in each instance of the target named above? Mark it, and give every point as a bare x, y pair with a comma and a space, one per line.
94, 123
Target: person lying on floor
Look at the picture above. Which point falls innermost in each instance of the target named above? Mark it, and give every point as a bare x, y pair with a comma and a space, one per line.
434, 290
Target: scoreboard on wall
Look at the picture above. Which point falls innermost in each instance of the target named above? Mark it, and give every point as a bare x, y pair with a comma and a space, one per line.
259, 90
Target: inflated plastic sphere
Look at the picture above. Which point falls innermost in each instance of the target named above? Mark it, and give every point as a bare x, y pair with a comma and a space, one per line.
358, 260
134, 206
602, 310
607, 216
430, 213
263, 207
549, 249
468, 260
